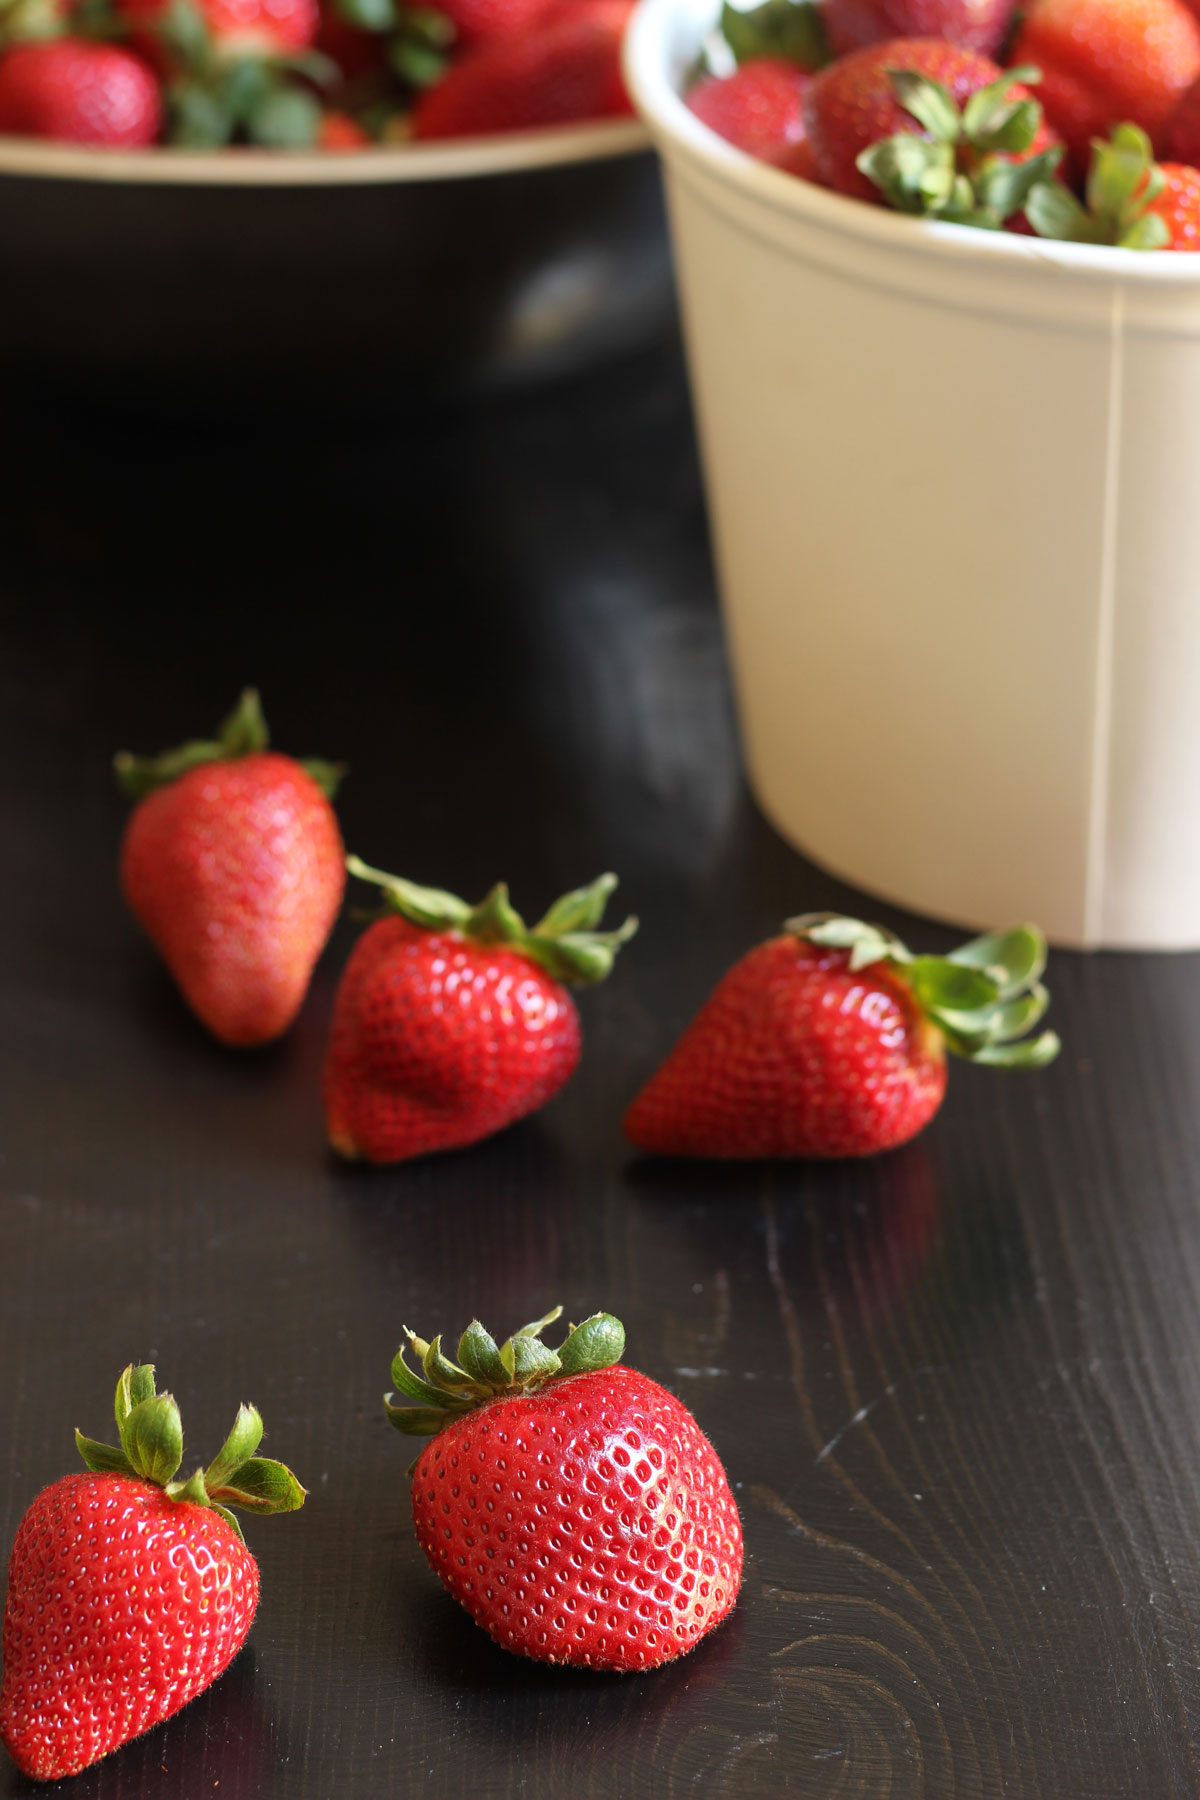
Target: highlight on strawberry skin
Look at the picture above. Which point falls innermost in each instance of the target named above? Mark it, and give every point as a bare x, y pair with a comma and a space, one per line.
130, 1587
572, 1505
831, 1041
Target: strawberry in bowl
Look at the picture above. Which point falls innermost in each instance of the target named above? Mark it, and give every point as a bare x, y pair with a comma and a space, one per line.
292, 74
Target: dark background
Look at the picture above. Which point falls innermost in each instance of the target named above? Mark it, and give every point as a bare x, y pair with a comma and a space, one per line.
955, 1388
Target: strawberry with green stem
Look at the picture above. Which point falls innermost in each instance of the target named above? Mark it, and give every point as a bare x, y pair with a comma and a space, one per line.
130, 1589
452, 1020
572, 1505
232, 863
831, 1041
931, 130
236, 70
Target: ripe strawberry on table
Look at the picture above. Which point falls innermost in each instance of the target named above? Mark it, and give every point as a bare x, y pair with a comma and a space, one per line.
232, 863
929, 129
81, 91
452, 1020
129, 1590
1104, 62
1130, 200
831, 1041
573, 1506
567, 70
759, 107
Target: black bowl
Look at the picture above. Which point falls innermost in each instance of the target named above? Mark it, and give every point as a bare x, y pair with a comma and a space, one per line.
355, 280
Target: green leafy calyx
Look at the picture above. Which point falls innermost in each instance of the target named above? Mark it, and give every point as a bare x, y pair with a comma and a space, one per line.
959, 165
984, 998
241, 734
791, 29
151, 1449
486, 1370
565, 941
1123, 183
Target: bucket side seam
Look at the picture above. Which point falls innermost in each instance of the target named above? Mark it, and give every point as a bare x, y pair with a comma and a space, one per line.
1101, 762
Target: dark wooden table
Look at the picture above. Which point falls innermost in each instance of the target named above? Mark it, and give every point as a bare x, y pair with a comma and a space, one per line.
957, 1389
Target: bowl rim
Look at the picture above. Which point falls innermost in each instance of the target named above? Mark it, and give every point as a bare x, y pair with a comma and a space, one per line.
445, 160
651, 73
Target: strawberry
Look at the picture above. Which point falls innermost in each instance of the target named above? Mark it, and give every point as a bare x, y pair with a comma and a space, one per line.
452, 1020
759, 107
232, 863
574, 1507
80, 91
1107, 61
1130, 200
831, 1041
130, 1591
929, 129
568, 69
978, 25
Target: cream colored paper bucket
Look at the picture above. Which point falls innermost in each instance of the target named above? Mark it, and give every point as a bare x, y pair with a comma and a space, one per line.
954, 481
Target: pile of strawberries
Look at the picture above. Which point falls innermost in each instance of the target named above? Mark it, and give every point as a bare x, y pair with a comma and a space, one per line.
294, 74
572, 1505
1071, 119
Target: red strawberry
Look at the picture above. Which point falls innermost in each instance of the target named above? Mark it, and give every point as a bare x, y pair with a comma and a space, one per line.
574, 1508
929, 129
1107, 61
232, 863
129, 1591
568, 69
80, 91
971, 24
831, 1041
452, 1021
759, 108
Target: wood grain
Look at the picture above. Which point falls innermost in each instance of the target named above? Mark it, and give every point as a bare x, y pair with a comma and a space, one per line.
957, 1389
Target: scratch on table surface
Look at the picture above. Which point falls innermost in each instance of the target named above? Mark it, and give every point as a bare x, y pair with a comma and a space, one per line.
868, 1407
